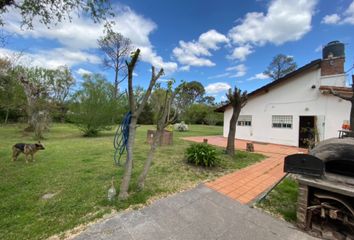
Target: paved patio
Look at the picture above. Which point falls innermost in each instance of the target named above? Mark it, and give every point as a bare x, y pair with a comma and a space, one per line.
197, 214
247, 184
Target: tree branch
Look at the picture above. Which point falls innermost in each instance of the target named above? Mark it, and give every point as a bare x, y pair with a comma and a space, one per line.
131, 66
153, 80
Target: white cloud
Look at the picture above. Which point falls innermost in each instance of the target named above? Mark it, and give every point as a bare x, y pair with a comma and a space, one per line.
232, 72
82, 71
217, 87
349, 14
240, 69
195, 53
212, 38
286, 20
258, 76
52, 58
222, 75
345, 18
184, 68
81, 33
331, 19
319, 48
241, 52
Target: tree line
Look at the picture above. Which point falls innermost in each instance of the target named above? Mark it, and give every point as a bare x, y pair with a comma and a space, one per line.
39, 96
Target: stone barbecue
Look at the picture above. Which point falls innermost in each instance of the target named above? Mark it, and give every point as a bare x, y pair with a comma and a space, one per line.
326, 188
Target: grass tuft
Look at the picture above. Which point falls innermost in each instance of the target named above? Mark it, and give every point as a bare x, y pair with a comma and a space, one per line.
282, 200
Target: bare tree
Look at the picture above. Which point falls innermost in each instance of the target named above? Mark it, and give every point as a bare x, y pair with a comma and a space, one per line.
135, 111
116, 49
350, 99
237, 100
164, 119
34, 82
280, 66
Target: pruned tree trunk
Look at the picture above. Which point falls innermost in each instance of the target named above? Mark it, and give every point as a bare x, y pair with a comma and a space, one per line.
135, 112
162, 123
150, 157
230, 148
237, 100
123, 193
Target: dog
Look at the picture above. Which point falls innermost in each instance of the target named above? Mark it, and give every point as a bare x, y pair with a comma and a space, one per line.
27, 149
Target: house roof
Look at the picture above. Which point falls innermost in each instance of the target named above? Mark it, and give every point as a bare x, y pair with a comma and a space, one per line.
265, 88
346, 91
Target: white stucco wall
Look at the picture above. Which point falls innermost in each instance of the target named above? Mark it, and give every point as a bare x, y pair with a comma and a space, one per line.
294, 97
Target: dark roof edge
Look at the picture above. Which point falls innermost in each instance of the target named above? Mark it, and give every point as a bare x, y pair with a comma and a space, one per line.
304, 68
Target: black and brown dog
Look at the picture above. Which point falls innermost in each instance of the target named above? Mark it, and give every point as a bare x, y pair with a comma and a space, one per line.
27, 149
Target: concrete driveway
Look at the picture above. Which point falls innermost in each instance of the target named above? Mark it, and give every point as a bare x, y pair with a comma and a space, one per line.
197, 214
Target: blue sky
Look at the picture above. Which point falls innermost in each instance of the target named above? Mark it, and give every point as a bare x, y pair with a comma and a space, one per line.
220, 44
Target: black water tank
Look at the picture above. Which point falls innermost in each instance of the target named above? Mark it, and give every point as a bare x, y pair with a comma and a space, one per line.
335, 48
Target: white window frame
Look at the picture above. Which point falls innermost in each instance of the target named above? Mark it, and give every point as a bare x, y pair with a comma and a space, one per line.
282, 121
244, 121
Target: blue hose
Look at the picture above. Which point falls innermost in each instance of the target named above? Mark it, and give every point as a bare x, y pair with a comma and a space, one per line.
120, 141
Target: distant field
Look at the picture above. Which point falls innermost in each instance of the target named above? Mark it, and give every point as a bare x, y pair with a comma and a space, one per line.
78, 171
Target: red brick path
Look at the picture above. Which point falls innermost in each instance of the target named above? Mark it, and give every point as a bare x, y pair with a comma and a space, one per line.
247, 184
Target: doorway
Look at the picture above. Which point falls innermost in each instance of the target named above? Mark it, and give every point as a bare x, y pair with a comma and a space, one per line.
306, 131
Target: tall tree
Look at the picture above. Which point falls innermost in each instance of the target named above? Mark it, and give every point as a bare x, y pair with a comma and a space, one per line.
163, 120
280, 66
36, 88
350, 99
53, 11
12, 97
60, 85
93, 105
116, 49
237, 100
188, 93
135, 111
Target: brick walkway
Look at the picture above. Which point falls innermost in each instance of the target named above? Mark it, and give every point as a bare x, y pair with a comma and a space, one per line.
247, 184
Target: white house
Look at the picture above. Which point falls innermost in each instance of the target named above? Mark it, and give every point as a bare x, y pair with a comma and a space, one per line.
276, 112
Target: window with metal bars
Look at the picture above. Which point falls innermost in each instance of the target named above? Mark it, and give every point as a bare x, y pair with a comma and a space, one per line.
282, 121
244, 120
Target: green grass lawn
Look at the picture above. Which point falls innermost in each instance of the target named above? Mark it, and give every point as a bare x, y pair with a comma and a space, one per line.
78, 170
282, 200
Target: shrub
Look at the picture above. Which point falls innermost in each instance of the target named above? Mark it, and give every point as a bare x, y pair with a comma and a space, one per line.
93, 107
182, 127
202, 154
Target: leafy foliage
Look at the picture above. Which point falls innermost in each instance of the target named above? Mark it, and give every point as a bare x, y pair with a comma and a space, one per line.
12, 96
202, 154
280, 66
94, 105
188, 93
49, 11
147, 115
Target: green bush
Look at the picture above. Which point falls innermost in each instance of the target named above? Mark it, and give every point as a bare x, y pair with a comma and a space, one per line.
94, 107
202, 154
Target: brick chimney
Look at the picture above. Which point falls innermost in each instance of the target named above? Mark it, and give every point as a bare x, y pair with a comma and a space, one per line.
333, 59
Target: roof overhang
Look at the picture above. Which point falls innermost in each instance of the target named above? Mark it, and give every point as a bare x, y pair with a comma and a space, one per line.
345, 91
